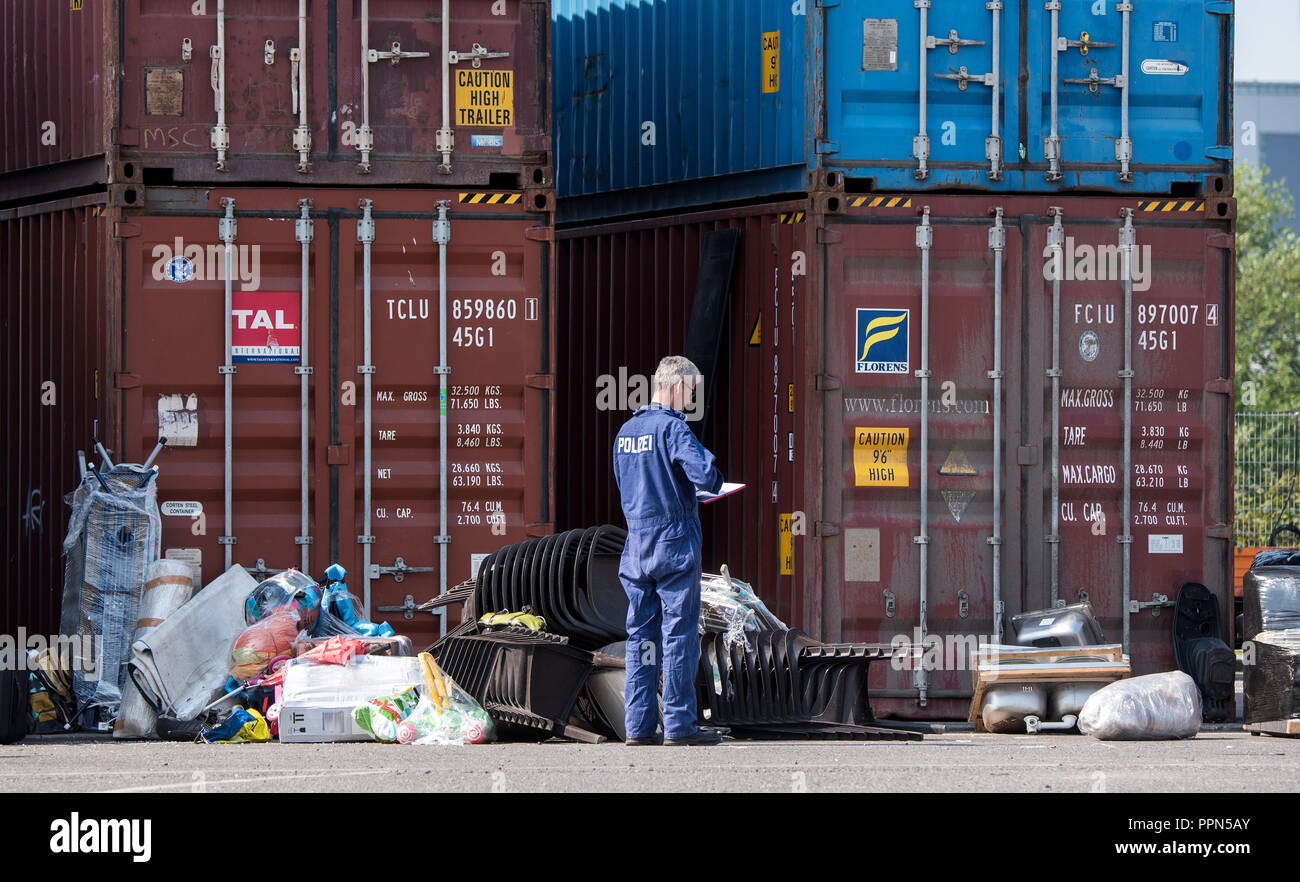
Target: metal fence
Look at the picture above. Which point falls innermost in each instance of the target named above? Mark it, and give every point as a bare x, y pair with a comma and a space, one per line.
1267, 477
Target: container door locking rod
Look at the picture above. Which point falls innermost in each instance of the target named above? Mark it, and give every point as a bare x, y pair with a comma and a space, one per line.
304, 232
366, 236
1056, 249
924, 241
228, 228
997, 244
366, 135
298, 84
220, 131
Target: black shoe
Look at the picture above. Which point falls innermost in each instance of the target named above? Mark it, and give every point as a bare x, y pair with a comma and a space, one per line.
649, 741
700, 737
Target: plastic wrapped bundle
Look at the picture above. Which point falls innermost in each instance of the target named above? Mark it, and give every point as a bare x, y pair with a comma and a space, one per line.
1271, 594
1151, 708
1272, 683
114, 533
169, 585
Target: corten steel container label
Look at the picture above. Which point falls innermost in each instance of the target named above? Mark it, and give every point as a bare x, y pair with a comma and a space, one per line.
626, 301
1180, 453
500, 426
53, 320
498, 97
855, 431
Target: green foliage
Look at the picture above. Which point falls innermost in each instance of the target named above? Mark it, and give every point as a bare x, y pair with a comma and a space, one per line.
1268, 295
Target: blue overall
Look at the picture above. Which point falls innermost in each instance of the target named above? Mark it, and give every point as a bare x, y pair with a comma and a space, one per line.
659, 464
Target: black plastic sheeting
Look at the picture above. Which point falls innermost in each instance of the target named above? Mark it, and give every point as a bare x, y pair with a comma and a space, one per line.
1272, 683
1271, 596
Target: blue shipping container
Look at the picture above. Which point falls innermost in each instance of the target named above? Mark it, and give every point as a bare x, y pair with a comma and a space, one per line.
682, 102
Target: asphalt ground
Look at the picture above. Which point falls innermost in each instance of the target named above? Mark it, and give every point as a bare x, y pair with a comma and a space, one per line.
1219, 759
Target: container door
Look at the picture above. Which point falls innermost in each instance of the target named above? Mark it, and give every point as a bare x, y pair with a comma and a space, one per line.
390, 81
496, 402
920, 96
1177, 414
878, 336
173, 386
178, 70
1138, 94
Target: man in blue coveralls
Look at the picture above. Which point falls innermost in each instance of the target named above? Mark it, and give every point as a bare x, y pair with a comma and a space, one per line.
659, 464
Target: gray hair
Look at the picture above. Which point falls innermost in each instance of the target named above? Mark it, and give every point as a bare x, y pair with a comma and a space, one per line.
672, 369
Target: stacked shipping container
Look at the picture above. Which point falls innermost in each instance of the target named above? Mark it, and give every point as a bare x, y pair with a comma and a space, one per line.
321, 264
950, 401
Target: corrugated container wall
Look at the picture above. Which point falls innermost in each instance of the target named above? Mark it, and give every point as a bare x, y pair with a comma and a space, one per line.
316, 92
54, 264
1026, 490
57, 86
334, 407
732, 100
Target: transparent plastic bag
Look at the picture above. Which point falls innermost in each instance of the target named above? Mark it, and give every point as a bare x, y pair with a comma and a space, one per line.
1151, 708
259, 645
730, 607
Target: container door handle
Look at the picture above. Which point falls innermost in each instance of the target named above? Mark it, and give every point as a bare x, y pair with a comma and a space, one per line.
921, 143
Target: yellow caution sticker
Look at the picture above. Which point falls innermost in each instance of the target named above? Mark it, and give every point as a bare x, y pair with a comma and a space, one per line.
957, 463
789, 391
771, 62
76, 5
880, 457
756, 335
787, 544
485, 98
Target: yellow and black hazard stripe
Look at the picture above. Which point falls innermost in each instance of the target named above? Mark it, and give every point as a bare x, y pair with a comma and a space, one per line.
490, 198
795, 217
1163, 206
881, 202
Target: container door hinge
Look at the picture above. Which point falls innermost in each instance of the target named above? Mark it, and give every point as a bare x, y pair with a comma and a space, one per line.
1219, 531
1219, 151
124, 380
124, 137
1219, 387
827, 236
825, 529
539, 234
1221, 240
125, 230
827, 4
826, 383
1219, 7
824, 146
540, 528
540, 381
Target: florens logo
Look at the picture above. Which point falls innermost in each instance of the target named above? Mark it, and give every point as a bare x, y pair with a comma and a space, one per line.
882, 341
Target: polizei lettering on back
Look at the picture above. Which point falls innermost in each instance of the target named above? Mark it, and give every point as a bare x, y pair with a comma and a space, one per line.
640, 444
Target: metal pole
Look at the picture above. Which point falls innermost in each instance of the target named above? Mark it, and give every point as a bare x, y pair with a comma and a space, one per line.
305, 231
924, 240
365, 136
921, 143
998, 243
1052, 146
1127, 239
302, 134
446, 139
366, 236
220, 132
442, 235
228, 228
1124, 146
1056, 245
993, 149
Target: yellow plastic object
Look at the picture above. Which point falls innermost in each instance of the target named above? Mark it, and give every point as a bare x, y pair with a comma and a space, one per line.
523, 619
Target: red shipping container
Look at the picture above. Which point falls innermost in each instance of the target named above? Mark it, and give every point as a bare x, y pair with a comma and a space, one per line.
818, 407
